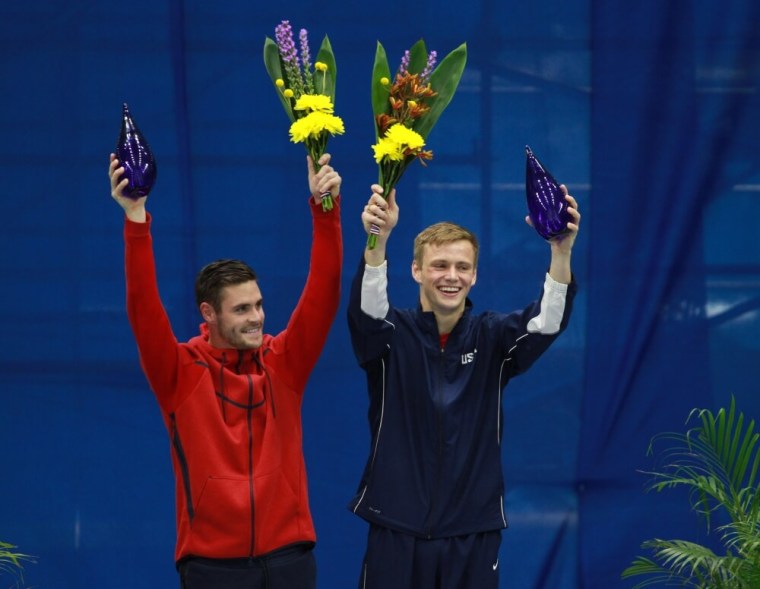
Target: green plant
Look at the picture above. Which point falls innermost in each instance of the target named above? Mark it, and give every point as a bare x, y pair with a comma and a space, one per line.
11, 562
718, 462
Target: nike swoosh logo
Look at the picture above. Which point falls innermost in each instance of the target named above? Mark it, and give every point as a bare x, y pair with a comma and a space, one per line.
496, 564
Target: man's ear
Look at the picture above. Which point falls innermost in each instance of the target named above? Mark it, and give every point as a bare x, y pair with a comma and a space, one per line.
474, 277
207, 312
416, 272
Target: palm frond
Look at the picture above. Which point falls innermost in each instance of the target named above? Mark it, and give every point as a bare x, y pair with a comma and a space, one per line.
656, 574
12, 562
718, 461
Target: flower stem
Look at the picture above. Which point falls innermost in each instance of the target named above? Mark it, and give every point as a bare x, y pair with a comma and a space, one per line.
387, 185
316, 151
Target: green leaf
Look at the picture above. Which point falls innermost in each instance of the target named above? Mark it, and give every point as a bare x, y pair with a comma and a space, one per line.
722, 433
708, 425
380, 93
444, 80
418, 56
11, 561
325, 82
641, 566
732, 453
748, 447
713, 461
753, 473
273, 65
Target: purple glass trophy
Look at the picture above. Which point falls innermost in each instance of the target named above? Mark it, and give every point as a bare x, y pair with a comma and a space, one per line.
135, 156
546, 203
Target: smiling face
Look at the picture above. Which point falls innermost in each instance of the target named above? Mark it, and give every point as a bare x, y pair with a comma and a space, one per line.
239, 321
445, 273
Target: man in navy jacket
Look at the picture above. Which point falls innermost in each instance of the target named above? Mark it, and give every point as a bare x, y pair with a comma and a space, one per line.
432, 489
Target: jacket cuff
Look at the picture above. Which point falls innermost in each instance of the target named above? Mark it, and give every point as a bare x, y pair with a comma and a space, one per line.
133, 229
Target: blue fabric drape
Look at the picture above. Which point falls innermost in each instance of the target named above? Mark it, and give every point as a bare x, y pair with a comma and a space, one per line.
649, 113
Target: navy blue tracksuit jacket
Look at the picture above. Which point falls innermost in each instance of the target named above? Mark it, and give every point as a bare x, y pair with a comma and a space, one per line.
434, 468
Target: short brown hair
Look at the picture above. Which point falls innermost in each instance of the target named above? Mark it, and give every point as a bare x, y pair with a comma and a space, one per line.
440, 234
217, 275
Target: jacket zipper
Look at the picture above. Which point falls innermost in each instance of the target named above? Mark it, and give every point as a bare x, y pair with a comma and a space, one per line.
249, 412
182, 459
249, 420
439, 416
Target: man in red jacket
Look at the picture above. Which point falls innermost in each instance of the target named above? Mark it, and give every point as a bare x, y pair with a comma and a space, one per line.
231, 402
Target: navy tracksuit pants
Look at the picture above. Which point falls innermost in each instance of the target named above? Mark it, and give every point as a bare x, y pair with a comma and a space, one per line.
288, 568
395, 560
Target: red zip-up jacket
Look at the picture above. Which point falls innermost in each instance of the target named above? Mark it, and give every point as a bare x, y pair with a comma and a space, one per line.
234, 416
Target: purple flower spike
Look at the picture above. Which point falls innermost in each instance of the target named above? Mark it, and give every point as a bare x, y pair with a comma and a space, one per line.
284, 36
289, 55
404, 63
303, 37
429, 67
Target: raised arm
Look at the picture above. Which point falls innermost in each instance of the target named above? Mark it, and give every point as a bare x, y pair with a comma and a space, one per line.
561, 247
368, 304
324, 181
312, 318
383, 214
546, 318
147, 317
134, 209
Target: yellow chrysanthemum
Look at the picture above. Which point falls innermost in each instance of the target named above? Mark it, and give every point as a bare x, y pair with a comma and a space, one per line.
388, 150
320, 67
405, 137
384, 81
279, 82
314, 103
287, 93
313, 124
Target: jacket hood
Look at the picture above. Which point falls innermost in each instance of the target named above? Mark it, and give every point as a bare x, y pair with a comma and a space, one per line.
230, 357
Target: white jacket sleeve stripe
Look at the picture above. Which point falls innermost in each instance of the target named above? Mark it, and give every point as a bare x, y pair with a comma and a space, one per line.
552, 308
375, 291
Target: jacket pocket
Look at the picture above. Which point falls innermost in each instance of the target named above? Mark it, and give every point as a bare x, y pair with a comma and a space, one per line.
223, 518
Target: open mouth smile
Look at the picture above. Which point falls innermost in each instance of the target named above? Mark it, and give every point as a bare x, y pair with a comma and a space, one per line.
449, 290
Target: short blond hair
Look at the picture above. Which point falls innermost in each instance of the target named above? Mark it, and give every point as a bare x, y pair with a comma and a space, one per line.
443, 233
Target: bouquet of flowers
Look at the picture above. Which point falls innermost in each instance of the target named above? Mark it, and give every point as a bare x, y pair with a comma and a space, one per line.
306, 91
407, 108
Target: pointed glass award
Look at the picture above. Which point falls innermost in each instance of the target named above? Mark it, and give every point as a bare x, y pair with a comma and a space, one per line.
134, 154
547, 206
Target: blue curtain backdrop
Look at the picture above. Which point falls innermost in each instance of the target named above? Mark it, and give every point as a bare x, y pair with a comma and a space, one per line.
649, 112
